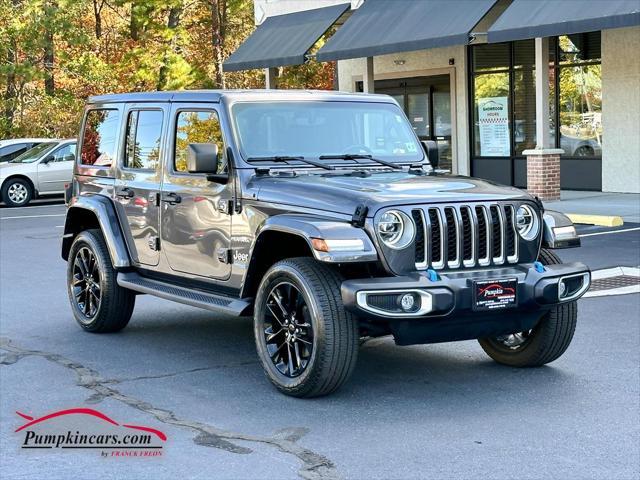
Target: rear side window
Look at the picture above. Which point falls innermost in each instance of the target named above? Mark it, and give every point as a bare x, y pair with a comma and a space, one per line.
197, 127
144, 128
99, 138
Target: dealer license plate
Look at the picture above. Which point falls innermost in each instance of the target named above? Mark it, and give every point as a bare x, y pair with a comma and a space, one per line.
495, 294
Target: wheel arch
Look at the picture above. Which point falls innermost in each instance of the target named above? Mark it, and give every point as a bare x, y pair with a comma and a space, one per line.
21, 177
95, 211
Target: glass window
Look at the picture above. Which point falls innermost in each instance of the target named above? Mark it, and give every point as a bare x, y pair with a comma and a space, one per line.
491, 115
12, 151
312, 129
491, 57
34, 153
524, 53
198, 127
418, 113
144, 128
580, 47
65, 154
524, 110
580, 110
99, 138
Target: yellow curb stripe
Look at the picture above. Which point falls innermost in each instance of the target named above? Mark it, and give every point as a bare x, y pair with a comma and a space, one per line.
601, 220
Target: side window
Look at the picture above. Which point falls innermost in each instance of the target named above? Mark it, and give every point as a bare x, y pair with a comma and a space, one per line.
198, 127
65, 154
12, 151
99, 138
144, 128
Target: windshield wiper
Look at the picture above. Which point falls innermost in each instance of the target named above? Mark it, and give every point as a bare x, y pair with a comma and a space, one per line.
356, 156
286, 159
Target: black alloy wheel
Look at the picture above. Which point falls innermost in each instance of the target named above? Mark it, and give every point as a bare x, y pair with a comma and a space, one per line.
86, 287
288, 330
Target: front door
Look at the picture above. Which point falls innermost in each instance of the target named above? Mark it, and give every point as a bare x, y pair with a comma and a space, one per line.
138, 180
196, 212
57, 170
427, 103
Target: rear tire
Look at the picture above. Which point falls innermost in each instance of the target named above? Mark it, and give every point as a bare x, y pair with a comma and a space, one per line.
546, 342
17, 192
312, 328
98, 303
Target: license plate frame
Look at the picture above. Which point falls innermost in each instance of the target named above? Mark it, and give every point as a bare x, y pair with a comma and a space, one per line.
495, 294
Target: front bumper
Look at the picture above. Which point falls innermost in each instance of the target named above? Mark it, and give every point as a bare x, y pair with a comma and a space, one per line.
446, 306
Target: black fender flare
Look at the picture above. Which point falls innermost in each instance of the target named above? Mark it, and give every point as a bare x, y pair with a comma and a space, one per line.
103, 210
558, 231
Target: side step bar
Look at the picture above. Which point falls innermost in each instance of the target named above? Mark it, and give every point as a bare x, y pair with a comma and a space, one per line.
195, 298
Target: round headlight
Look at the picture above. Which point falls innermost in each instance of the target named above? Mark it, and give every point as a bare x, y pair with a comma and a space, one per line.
396, 229
527, 222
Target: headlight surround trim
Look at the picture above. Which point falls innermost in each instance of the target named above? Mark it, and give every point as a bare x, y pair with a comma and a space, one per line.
527, 222
395, 229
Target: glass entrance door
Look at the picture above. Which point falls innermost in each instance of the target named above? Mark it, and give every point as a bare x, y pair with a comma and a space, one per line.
427, 103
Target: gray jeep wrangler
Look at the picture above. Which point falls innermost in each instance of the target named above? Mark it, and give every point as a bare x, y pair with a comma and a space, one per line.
320, 214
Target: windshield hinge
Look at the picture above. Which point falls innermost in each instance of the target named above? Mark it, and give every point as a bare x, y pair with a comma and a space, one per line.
359, 216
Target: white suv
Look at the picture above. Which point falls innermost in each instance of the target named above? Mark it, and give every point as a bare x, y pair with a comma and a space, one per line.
42, 170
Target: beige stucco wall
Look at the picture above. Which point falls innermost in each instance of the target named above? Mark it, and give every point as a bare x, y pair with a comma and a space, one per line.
621, 110
423, 63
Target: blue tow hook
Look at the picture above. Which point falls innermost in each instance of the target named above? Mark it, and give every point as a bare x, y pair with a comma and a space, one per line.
433, 276
539, 267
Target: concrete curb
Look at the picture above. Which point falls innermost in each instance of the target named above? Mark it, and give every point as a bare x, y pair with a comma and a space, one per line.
601, 220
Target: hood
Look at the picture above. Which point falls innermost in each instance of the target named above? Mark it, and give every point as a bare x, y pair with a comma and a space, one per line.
342, 193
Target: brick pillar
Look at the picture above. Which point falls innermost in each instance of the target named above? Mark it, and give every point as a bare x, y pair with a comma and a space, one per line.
543, 172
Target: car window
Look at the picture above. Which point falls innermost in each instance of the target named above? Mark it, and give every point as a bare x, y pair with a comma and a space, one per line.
144, 128
12, 151
197, 127
99, 138
35, 153
65, 154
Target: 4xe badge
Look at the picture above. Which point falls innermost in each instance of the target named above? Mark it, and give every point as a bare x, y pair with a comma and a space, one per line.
495, 294
89, 429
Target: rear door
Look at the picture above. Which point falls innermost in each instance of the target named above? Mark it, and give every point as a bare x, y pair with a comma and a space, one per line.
58, 170
138, 179
196, 212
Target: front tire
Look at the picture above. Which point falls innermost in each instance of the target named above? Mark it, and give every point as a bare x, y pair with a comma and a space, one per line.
546, 342
98, 303
17, 192
306, 340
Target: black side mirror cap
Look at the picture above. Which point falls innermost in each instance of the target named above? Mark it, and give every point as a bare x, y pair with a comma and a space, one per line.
431, 149
47, 159
202, 158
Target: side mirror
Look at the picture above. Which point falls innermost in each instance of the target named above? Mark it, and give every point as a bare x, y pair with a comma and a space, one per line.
48, 159
204, 158
431, 149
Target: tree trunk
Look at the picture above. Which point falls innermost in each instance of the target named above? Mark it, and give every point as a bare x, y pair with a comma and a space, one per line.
218, 9
172, 24
49, 59
97, 11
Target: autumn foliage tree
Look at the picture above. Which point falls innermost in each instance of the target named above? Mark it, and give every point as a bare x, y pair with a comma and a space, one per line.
56, 53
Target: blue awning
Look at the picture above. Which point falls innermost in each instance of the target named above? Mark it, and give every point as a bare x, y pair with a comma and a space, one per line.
547, 18
284, 39
380, 27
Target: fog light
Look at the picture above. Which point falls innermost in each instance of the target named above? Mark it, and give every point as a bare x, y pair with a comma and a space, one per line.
407, 302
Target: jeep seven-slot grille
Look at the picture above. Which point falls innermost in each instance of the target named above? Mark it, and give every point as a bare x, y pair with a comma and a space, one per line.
454, 236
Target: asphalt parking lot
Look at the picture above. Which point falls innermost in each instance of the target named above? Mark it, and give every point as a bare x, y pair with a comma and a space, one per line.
437, 411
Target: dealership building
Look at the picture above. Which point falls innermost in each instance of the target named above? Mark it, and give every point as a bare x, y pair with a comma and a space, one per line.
466, 74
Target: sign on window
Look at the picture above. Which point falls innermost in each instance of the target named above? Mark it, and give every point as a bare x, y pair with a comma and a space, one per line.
493, 116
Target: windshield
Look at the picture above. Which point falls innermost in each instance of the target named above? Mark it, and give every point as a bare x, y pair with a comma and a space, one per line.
34, 153
317, 129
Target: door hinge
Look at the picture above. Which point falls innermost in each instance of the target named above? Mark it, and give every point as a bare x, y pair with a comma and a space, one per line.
225, 255
154, 243
225, 206
154, 198
359, 216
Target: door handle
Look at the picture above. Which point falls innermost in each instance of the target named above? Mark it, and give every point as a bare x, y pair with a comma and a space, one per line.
126, 193
171, 198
